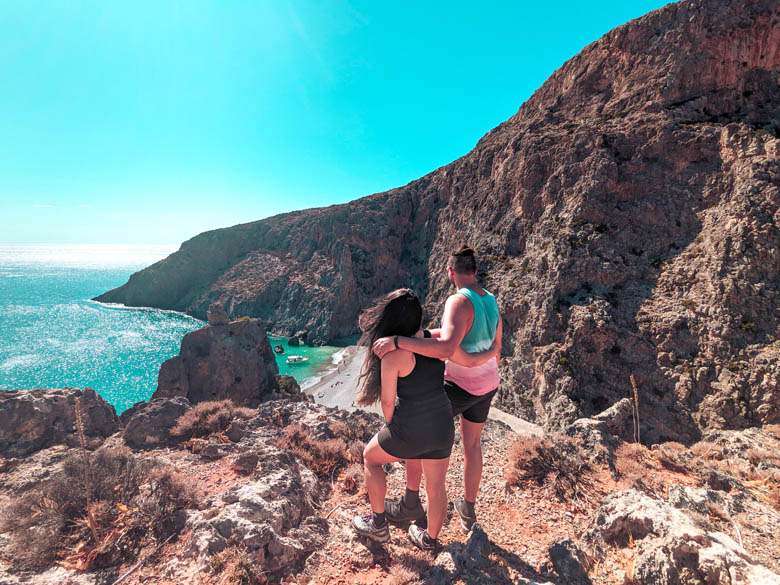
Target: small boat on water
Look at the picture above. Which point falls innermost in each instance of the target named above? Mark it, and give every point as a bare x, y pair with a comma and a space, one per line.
297, 359
279, 349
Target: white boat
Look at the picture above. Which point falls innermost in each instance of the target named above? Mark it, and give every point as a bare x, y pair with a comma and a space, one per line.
297, 359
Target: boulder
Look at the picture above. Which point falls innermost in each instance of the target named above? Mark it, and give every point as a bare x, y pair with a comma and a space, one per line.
233, 361
148, 424
570, 562
31, 420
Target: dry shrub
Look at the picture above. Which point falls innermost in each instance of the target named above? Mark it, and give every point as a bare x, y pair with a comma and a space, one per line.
556, 460
351, 479
208, 418
758, 456
235, 566
131, 500
717, 512
774, 495
322, 456
670, 455
706, 450
357, 430
634, 462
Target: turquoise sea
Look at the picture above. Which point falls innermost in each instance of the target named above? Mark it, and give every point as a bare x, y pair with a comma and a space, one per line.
52, 335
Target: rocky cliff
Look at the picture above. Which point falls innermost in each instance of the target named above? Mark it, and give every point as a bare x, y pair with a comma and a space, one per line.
627, 218
230, 360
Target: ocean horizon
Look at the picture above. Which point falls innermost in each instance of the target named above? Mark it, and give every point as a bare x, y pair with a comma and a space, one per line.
52, 335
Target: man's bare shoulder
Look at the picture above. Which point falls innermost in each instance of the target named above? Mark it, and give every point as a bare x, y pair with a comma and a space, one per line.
457, 300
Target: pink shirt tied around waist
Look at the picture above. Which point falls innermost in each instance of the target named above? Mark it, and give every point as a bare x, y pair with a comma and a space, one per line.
477, 381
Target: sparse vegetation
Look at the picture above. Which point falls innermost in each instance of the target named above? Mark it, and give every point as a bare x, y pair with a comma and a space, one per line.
235, 566
555, 461
324, 456
209, 418
131, 502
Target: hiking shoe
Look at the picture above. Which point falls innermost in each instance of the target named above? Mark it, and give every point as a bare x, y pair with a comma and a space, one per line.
420, 539
397, 512
466, 520
364, 526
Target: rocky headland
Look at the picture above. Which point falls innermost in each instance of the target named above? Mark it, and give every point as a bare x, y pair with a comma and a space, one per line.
626, 217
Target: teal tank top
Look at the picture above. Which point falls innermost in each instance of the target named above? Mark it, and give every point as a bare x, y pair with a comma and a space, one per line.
483, 330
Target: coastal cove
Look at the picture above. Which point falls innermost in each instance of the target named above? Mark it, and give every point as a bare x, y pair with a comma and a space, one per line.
52, 336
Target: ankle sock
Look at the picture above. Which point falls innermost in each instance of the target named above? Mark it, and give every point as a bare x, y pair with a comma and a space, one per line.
470, 508
426, 538
379, 520
411, 498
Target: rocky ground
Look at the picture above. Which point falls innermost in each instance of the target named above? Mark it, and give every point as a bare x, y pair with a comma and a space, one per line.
272, 495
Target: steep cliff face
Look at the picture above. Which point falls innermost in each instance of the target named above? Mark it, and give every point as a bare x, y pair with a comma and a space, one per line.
627, 218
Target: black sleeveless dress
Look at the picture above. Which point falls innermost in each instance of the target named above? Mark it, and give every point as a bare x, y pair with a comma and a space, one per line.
422, 425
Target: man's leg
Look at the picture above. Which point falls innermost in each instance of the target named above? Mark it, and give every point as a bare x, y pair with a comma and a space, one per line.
414, 472
435, 489
408, 508
472, 458
472, 421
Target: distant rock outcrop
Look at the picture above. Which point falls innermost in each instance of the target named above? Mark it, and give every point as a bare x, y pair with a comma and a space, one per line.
233, 361
31, 420
216, 315
627, 217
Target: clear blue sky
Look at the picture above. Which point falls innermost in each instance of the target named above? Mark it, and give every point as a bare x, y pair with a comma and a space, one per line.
149, 122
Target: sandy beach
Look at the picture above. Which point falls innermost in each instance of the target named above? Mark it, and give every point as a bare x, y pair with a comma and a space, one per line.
338, 388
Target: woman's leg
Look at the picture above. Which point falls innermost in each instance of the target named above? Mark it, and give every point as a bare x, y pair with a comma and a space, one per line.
373, 459
435, 471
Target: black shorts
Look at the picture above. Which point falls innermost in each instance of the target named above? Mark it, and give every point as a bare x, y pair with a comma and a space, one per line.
426, 433
473, 408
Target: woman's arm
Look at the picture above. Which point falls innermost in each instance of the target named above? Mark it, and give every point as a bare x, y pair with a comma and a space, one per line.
389, 368
471, 360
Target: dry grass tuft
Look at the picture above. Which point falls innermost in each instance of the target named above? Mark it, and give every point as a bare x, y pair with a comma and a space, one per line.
556, 460
209, 418
351, 480
235, 566
705, 450
322, 456
670, 455
129, 502
635, 462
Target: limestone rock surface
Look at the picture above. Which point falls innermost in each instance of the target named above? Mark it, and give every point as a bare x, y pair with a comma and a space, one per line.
31, 420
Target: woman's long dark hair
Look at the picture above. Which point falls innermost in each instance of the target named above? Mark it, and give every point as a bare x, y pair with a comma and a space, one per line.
396, 313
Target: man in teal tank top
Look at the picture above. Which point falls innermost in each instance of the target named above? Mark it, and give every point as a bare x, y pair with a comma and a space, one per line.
472, 321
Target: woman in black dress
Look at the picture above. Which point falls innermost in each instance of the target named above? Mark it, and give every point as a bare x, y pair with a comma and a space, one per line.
416, 408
